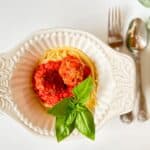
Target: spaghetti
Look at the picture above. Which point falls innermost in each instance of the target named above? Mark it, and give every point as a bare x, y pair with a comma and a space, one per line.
73, 66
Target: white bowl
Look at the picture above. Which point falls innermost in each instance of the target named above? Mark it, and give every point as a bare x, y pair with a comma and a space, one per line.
18, 66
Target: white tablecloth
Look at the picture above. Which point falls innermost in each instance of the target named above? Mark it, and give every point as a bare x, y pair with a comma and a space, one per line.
20, 18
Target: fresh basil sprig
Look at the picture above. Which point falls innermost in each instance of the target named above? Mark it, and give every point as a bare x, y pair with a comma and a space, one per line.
146, 3
72, 113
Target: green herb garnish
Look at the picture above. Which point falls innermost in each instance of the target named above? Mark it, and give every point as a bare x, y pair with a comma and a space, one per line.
72, 113
146, 3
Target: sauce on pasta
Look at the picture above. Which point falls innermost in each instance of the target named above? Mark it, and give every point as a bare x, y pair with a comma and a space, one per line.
60, 70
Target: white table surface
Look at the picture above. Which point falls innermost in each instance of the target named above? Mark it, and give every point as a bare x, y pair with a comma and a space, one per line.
21, 17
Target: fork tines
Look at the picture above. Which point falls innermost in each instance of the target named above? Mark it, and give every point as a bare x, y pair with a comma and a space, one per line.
115, 27
114, 20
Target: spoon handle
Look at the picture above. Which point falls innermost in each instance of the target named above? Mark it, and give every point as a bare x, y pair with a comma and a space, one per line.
127, 118
142, 110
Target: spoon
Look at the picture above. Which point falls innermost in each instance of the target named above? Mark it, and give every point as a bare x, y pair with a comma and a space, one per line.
137, 40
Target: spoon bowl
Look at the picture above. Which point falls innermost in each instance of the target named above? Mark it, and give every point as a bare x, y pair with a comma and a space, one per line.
137, 36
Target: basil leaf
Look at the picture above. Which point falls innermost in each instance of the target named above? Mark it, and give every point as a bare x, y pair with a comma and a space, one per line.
82, 91
71, 117
62, 129
85, 123
146, 3
62, 108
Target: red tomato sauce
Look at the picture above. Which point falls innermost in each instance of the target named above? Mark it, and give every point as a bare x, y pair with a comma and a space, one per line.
55, 80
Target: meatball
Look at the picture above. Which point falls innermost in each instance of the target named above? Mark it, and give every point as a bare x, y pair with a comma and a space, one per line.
72, 70
49, 85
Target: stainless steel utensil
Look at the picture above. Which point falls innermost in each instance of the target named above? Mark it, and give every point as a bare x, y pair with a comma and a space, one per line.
137, 39
115, 40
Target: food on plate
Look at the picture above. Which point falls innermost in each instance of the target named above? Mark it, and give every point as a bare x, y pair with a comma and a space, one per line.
65, 80
59, 71
73, 70
72, 112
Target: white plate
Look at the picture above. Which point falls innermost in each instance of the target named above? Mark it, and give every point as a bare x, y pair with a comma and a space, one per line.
116, 75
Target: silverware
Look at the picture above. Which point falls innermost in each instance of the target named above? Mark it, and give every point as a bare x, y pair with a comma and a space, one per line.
137, 40
115, 40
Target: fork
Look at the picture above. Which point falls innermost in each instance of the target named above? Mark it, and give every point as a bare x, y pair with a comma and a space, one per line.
115, 40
